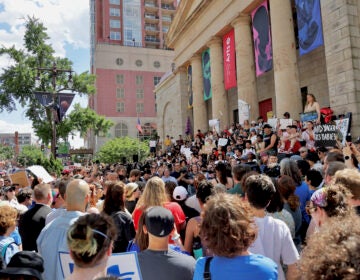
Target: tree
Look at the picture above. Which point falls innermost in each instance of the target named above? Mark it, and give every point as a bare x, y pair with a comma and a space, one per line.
6, 152
118, 149
17, 83
32, 155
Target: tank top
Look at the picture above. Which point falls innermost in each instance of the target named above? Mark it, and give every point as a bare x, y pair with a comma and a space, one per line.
267, 141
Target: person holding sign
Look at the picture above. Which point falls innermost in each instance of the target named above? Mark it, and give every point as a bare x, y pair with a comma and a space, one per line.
90, 240
312, 105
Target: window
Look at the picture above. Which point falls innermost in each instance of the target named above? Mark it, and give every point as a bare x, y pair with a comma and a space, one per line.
119, 61
156, 80
115, 35
114, 12
139, 80
139, 93
120, 107
138, 63
114, 23
121, 130
120, 93
156, 64
139, 107
114, 2
120, 79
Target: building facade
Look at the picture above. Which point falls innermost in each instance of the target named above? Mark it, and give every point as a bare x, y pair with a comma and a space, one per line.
9, 139
330, 71
128, 57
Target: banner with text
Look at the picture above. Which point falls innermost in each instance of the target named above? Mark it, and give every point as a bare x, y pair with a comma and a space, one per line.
262, 39
206, 74
309, 25
325, 135
229, 60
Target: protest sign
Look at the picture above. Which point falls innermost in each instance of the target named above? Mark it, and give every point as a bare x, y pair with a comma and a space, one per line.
244, 111
273, 122
20, 178
285, 122
40, 172
325, 135
343, 126
123, 265
222, 142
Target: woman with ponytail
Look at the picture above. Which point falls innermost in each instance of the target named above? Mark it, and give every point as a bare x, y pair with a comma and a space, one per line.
90, 240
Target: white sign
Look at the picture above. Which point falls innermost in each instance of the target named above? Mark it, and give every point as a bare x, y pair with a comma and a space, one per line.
222, 142
273, 122
244, 111
285, 122
152, 144
343, 127
124, 265
215, 124
40, 172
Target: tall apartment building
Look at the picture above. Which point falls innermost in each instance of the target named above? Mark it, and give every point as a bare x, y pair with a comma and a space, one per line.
128, 56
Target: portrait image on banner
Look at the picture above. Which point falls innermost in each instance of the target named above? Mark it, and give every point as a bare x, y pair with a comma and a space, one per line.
309, 25
206, 74
229, 60
189, 89
262, 39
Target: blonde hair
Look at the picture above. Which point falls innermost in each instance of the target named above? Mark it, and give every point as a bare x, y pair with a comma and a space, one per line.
89, 238
154, 194
8, 217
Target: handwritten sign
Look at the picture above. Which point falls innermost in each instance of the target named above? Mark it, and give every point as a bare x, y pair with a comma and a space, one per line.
325, 135
244, 111
285, 122
343, 126
273, 122
222, 142
124, 265
20, 178
215, 125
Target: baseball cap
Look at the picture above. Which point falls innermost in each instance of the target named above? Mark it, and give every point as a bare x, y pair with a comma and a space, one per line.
25, 263
10, 188
267, 126
159, 221
180, 193
65, 172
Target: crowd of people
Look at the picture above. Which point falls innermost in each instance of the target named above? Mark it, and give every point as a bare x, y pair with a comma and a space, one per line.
263, 204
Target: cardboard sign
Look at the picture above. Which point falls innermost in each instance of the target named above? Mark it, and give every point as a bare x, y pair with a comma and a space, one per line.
325, 135
40, 172
124, 265
20, 178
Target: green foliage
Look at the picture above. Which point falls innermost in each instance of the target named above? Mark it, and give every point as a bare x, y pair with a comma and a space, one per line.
32, 155
125, 147
6, 152
17, 83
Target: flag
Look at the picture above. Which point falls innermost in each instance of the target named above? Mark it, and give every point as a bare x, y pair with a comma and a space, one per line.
138, 126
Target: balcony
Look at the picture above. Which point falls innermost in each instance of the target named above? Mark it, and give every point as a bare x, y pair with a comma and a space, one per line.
151, 18
151, 7
152, 40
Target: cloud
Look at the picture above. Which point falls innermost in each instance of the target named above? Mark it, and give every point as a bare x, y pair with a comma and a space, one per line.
7, 127
67, 21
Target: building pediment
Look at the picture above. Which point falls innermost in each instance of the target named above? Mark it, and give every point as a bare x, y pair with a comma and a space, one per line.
186, 11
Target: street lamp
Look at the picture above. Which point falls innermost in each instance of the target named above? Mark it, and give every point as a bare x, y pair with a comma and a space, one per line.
54, 72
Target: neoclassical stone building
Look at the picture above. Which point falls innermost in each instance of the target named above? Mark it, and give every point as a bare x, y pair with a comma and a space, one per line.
330, 72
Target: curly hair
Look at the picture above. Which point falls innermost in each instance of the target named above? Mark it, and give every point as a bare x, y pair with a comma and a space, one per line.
204, 191
89, 238
8, 217
287, 187
227, 227
114, 198
335, 200
349, 178
334, 251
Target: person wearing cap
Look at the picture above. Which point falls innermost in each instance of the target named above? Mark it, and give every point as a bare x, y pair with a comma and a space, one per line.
158, 262
33, 221
27, 264
179, 195
65, 174
132, 193
10, 196
270, 139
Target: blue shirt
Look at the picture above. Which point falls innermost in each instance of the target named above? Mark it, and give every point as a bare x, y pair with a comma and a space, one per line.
241, 267
51, 240
303, 192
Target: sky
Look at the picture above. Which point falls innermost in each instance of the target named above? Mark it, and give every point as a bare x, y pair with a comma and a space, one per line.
67, 23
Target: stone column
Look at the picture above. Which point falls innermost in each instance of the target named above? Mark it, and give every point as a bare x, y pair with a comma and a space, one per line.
199, 105
219, 97
341, 31
286, 73
245, 65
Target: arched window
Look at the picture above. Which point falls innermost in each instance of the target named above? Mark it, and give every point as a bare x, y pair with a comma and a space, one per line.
121, 130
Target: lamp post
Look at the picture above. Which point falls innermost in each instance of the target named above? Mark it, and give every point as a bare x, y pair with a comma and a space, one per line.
54, 72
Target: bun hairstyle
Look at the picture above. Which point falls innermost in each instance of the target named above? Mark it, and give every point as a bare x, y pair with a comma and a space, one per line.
89, 238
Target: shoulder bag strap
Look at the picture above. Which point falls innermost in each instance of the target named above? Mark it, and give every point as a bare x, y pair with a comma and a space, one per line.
207, 274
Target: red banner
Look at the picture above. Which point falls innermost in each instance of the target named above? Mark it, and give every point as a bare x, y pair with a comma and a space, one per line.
229, 60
